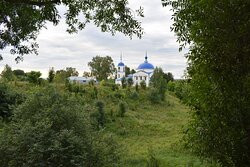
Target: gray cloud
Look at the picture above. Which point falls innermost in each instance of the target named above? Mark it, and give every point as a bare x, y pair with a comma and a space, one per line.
59, 49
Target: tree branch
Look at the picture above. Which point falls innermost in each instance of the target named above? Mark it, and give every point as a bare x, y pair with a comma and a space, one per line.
34, 2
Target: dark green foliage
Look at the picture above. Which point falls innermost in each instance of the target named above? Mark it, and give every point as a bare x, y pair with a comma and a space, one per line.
114, 16
159, 82
132, 71
171, 86
8, 100
134, 95
51, 75
168, 76
143, 85
102, 67
130, 82
218, 34
127, 71
62, 75
34, 77
18, 73
50, 129
136, 87
100, 115
122, 109
154, 96
7, 73
124, 82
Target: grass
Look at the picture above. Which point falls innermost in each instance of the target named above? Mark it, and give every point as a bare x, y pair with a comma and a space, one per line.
157, 128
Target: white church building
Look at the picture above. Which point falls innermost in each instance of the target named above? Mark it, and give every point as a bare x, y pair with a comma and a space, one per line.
143, 73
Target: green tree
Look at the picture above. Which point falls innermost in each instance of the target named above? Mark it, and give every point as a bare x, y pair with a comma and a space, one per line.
132, 71
127, 71
51, 75
130, 82
7, 73
124, 82
18, 73
50, 129
34, 77
71, 71
168, 76
8, 100
102, 67
159, 82
217, 33
112, 16
122, 109
100, 114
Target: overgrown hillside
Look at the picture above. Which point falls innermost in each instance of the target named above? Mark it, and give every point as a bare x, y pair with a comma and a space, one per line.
154, 130
143, 129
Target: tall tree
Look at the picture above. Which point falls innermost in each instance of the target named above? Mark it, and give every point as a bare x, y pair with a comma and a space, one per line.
21, 20
159, 82
168, 76
102, 67
7, 73
34, 76
51, 75
127, 71
219, 39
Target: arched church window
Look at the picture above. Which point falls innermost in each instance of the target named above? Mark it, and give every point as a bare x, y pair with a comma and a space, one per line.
140, 77
118, 68
145, 78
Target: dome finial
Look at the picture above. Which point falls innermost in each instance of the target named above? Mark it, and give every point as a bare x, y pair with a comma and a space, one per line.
146, 57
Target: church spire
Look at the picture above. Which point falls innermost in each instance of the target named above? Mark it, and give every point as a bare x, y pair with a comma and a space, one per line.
146, 57
121, 57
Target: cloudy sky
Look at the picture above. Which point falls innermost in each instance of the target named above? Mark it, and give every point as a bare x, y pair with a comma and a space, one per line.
60, 50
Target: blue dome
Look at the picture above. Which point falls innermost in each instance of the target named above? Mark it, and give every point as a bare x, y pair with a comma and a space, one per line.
121, 64
145, 65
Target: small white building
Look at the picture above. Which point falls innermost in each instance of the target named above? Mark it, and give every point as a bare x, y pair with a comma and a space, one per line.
81, 80
143, 73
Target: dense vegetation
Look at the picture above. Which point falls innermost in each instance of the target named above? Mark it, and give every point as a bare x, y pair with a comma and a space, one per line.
60, 123
217, 33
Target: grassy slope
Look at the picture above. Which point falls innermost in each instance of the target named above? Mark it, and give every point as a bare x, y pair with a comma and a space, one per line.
155, 127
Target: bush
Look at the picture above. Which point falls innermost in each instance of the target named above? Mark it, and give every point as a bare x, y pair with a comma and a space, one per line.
49, 129
134, 95
122, 109
100, 115
154, 96
143, 85
136, 87
8, 100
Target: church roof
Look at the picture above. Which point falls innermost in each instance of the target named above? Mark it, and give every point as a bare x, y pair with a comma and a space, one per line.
121, 64
145, 65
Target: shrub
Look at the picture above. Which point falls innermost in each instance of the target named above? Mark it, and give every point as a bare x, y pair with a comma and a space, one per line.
49, 129
130, 82
134, 95
8, 100
100, 116
122, 109
143, 85
154, 96
124, 82
136, 87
